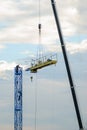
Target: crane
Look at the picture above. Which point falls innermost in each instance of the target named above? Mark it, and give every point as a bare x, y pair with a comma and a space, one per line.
18, 98
67, 65
41, 61
33, 69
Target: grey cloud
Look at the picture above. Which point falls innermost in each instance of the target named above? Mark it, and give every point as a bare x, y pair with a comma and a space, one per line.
25, 15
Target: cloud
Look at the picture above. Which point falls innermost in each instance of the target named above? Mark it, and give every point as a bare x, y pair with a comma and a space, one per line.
26, 31
4, 66
9, 9
29, 54
2, 47
77, 47
75, 14
72, 48
23, 18
7, 68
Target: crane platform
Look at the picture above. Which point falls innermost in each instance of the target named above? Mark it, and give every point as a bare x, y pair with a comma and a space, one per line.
42, 62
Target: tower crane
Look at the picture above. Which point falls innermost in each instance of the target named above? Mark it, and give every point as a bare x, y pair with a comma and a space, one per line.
18, 122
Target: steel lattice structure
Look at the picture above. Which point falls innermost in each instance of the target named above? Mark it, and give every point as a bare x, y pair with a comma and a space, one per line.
18, 98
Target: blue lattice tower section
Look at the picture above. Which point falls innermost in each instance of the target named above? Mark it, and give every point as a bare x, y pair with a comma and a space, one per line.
18, 98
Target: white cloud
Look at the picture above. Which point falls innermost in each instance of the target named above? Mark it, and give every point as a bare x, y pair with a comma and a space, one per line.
4, 66
75, 48
2, 46
7, 67
9, 10
24, 13
28, 53
75, 14
26, 31
72, 48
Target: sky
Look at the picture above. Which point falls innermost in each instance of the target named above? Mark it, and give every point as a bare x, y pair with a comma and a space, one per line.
19, 43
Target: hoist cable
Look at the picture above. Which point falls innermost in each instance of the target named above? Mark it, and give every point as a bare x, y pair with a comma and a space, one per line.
39, 6
39, 25
39, 55
36, 103
39, 29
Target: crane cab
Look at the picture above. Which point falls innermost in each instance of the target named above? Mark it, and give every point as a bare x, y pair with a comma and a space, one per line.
42, 62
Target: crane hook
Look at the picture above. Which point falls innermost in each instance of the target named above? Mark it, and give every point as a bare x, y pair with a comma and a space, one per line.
31, 78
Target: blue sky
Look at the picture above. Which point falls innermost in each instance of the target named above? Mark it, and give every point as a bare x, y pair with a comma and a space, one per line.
19, 44
19, 52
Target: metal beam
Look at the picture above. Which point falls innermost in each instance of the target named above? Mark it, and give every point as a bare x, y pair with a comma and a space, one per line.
18, 98
67, 65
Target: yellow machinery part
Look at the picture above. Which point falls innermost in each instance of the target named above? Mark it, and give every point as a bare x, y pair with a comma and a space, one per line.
34, 68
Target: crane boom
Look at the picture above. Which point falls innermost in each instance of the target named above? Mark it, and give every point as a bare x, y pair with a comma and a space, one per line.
67, 65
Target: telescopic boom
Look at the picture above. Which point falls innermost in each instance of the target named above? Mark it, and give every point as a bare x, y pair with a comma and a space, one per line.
67, 65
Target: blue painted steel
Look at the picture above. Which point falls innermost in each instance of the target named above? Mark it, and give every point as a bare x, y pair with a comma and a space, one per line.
18, 98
